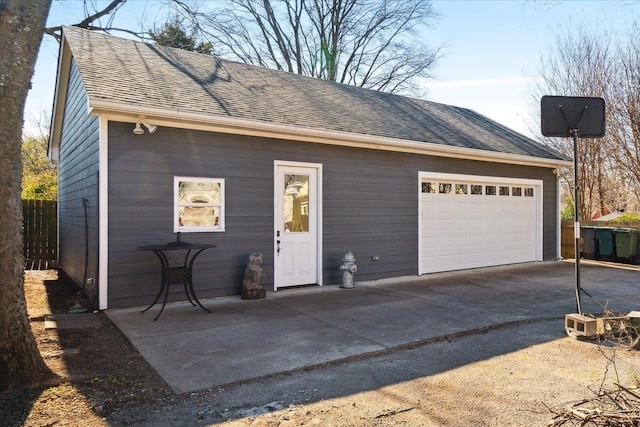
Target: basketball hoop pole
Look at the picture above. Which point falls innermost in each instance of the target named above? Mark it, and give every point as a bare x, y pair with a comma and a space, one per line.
573, 131
562, 116
576, 217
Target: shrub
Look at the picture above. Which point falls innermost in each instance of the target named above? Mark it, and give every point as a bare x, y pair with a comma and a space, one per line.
628, 218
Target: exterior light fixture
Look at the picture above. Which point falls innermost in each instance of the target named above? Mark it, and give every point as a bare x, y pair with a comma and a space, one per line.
139, 131
150, 128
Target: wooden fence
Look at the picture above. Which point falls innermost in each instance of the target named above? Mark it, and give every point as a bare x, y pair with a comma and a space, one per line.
40, 233
567, 239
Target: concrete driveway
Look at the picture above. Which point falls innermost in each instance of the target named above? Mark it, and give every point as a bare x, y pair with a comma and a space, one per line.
304, 327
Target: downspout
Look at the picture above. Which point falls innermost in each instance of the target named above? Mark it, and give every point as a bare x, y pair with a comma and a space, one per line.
85, 206
77, 308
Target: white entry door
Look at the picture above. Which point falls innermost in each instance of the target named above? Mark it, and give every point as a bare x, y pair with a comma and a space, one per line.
297, 222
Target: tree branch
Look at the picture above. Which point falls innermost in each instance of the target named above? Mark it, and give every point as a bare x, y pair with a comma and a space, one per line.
86, 23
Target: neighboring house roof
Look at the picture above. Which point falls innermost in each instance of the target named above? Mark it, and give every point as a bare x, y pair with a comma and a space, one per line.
601, 212
127, 76
608, 217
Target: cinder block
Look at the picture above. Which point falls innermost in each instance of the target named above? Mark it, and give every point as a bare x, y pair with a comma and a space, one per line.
580, 325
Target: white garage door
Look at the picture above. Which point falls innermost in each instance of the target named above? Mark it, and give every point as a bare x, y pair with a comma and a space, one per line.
469, 221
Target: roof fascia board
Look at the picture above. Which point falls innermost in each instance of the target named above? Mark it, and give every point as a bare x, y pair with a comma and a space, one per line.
59, 99
206, 122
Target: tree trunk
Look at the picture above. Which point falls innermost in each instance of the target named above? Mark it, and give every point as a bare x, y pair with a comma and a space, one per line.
21, 29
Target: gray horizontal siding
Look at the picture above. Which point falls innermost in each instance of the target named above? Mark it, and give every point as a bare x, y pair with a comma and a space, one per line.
77, 180
370, 206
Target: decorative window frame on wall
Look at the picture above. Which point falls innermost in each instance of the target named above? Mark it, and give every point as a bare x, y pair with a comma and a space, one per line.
205, 198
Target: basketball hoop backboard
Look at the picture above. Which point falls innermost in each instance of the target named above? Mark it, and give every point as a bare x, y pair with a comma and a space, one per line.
562, 114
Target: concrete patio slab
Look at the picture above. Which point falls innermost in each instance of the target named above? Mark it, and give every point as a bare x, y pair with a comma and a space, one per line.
297, 328
202, 359
185, 318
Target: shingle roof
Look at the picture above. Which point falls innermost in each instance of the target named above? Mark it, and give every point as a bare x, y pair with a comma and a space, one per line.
149, 75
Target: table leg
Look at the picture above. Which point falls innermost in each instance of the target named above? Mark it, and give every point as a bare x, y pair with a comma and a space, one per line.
156, 299
190, 281
193, 294
165, 283
164, 302
187, 293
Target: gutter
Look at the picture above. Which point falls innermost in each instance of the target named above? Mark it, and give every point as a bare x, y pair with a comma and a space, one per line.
119, 111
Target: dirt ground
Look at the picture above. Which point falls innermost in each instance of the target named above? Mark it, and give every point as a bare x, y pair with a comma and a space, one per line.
103, 381
98, 370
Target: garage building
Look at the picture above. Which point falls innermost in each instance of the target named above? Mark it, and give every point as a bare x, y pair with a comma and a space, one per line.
301, 170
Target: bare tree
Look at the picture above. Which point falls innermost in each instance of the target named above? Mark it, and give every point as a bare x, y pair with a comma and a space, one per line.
582, 64
93, 16
373, 44
625, 112
21, 29
606, 65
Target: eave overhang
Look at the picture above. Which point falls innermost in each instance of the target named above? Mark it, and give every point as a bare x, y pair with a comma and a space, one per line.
123, 112
59, 100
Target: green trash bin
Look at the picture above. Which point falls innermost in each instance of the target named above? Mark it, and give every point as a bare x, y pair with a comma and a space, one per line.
626, 243
589, 244
606, 246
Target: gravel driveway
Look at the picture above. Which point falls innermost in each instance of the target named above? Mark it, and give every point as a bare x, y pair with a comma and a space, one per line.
511, 375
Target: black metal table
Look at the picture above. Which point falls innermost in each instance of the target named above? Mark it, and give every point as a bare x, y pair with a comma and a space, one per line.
180, 275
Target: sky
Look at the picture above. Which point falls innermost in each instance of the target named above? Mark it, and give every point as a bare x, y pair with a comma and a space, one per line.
491, 50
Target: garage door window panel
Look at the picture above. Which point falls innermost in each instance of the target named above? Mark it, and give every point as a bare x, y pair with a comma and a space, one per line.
429, 187
444, 188
461, 188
